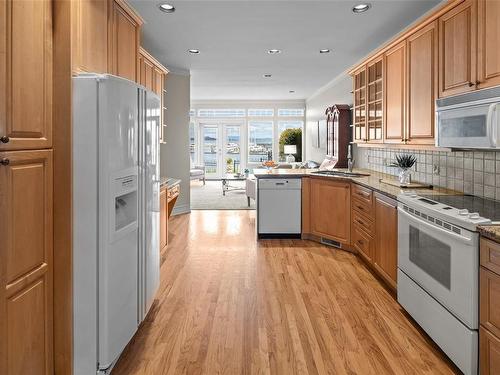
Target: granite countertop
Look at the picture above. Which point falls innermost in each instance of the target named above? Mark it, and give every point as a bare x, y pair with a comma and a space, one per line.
166, 182
372, 181
490, 231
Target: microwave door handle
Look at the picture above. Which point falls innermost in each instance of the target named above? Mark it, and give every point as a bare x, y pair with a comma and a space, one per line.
435, 228
492, 128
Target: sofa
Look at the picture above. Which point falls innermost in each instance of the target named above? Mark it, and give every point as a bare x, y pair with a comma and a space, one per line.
197, 172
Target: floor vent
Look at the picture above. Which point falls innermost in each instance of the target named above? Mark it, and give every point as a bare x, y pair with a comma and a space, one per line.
333, 243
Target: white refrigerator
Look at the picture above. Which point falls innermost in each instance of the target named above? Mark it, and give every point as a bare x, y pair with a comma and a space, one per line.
116, 260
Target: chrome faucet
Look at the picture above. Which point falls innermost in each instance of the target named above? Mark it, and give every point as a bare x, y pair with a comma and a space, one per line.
350, 160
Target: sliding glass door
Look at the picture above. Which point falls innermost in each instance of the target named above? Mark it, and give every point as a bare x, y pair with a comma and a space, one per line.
211, 150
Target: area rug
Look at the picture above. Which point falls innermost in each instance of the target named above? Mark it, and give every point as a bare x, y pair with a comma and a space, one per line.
209, 196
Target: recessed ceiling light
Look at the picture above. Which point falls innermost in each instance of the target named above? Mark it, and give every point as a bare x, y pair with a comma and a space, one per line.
267, 75
360, 8
292, 91
167, 8
274, 51
194, 51
324, 50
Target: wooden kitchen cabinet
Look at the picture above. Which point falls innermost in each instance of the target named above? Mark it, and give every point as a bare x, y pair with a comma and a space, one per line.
90, 36
489, 307
374, 87
152, 75
26, 270
25, 74
124, 40
422, 84
488, 56
385, 257
163, 219
395, 94
457, 49
330, 209
359, 121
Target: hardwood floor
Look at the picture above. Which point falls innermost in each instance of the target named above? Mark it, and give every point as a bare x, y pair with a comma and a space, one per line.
230, 305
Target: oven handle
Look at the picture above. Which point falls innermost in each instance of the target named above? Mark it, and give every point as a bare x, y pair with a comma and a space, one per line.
492, 126
438, 229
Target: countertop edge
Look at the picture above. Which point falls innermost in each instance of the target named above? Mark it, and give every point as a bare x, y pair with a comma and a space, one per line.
491, 232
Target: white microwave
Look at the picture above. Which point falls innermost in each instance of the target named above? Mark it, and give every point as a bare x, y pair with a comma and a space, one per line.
469, 121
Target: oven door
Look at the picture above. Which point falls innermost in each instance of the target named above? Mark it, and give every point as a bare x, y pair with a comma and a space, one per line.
473, 126
443, 263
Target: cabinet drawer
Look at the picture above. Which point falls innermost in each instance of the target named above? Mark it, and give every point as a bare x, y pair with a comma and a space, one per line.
363, 221
362, 206
363, 194
490, 255
489, 353
489, 294
362, 242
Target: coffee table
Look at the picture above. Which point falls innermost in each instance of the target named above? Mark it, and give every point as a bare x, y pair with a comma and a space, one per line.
226, 183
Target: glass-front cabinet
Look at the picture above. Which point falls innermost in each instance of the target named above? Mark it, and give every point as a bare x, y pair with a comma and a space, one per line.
368, 103
359, 119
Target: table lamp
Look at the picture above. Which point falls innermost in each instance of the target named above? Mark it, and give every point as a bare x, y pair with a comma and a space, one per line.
290, 150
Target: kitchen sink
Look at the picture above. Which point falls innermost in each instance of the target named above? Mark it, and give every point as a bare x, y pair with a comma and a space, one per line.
341, 173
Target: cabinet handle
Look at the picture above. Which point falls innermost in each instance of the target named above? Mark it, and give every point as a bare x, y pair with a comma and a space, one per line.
361, 208
4, 139
360, 222
5, 161
471, 84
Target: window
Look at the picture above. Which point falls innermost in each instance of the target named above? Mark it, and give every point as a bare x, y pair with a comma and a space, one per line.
192, 113
293, 124
215, 113
260, 112
291, 112
192, 142
260, 141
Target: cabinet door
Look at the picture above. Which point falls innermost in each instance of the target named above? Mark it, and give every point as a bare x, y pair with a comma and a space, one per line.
386, 238
359, 90
457, 50
158, 81
395, 93
488, 42
147, 74
26, 269
25, 74
163, 219
91, 36
124, 46
422, 85
489, 353
331, 209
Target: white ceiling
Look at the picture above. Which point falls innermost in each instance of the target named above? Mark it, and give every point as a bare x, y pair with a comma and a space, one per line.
234, 36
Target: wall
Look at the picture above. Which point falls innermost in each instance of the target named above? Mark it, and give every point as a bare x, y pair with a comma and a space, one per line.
336, 92
174, 155
470, 172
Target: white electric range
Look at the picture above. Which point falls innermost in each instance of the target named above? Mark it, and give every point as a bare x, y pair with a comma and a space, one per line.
438, 268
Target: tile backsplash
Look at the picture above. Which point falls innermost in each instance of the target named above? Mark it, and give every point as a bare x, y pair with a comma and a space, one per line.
471, 172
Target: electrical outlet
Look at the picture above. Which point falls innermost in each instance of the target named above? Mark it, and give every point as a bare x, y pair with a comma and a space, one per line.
435, 169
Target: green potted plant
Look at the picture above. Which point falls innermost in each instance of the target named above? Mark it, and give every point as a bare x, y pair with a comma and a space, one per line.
291, 137
404, 162
229, 167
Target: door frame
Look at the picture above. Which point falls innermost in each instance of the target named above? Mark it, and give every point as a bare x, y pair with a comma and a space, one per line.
221, 125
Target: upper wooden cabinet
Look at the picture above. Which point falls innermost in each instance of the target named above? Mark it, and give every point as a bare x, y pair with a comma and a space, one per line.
488, 58
90, 36
152, 75
124, 40
457, 49
25, 74
395, 94
359, 90
330, 209
26, 326
422, 85
374, 87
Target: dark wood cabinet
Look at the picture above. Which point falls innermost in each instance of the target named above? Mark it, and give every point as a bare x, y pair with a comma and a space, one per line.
338, 130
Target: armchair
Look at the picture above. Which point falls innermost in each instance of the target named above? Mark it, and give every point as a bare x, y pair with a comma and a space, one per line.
197, 172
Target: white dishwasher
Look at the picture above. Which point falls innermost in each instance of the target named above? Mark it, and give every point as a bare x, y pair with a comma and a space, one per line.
279, 207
